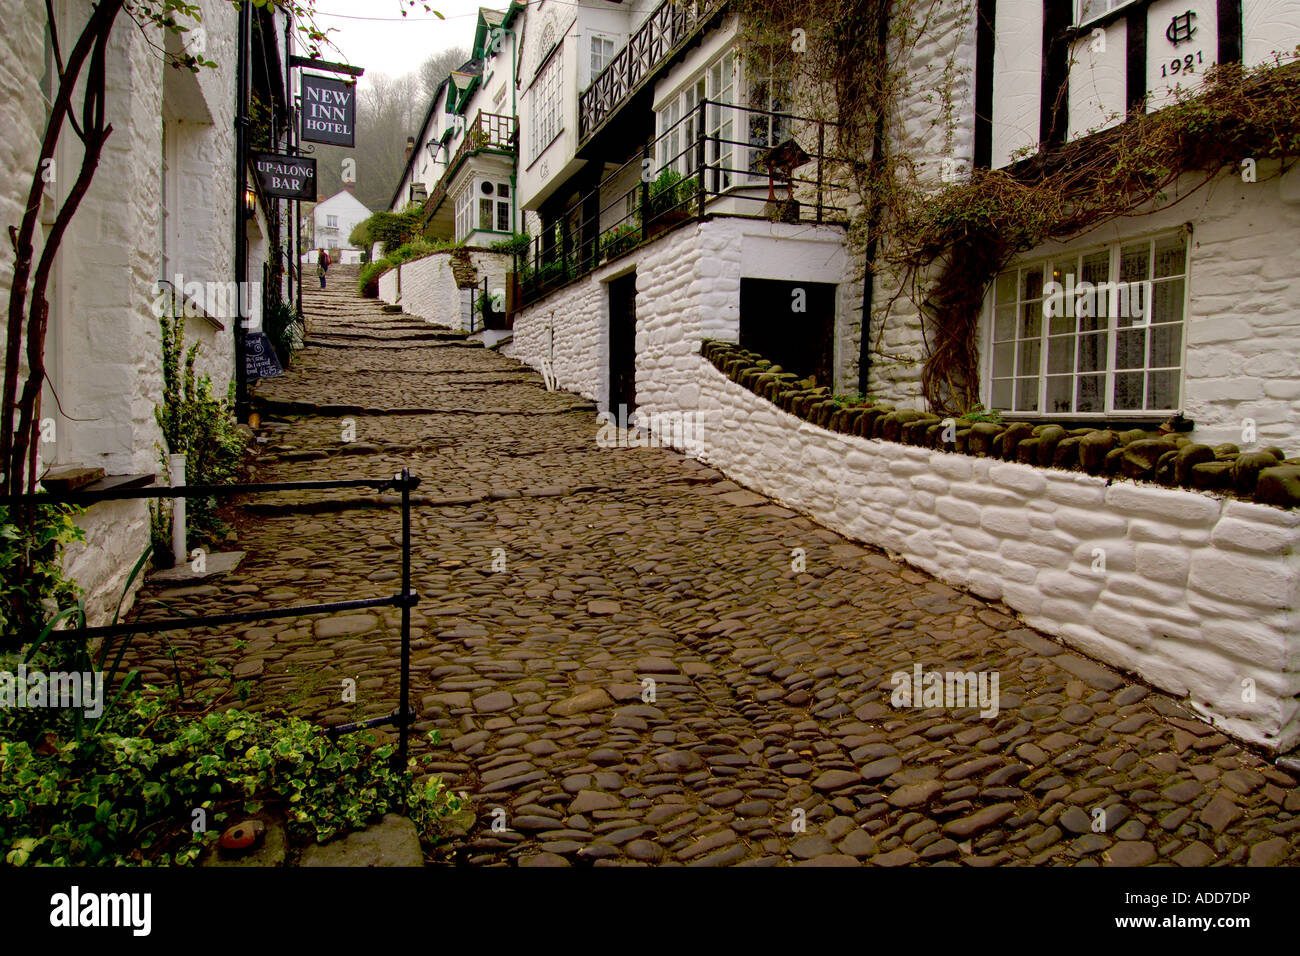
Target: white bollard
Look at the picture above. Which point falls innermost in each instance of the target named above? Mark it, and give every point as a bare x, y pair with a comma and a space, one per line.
177, 466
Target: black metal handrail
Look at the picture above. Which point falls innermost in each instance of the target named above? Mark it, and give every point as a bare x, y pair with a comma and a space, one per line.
552, 261
405, 599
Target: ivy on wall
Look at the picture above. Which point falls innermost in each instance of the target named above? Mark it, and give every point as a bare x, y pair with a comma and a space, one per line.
887, 72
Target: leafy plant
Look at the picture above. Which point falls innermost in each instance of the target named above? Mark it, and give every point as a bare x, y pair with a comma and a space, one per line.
32, 582
978, 413
852, 401
669, 194
619, 240
283, 329
391, 229
516, 245
202, 428
128, 795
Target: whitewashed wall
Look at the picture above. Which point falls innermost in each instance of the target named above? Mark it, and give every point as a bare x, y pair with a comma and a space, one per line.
426, 288
1198, 595
688, 290
103, 349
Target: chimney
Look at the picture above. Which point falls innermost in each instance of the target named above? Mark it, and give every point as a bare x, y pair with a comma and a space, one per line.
410, 147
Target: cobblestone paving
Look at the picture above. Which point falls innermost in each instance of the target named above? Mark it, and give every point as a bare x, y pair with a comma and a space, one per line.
561, 583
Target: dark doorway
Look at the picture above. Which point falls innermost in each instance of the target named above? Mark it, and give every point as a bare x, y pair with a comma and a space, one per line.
622, 344
791, 324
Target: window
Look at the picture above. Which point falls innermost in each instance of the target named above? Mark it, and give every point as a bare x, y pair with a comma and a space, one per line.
1095, 333
602, 51
678, 124
1085, 11
331, 222
464, 209
545, 107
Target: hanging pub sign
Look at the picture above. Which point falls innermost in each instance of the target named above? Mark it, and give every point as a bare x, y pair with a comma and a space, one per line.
329, 110
286, 177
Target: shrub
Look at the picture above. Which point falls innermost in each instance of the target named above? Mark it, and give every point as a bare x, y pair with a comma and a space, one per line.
128, 795
517, 245
390, 228
619, 240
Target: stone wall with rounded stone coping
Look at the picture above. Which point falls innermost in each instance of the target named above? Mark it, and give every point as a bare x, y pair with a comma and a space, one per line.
1195, 593
1265, 475
427, 287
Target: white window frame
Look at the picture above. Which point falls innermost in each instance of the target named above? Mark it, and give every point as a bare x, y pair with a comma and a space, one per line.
1113, 327
676, 119
1087, 11
465, 210
598, 58
546, 115
331, 222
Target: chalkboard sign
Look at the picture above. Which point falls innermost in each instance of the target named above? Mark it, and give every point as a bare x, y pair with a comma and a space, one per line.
259, 357
329, 110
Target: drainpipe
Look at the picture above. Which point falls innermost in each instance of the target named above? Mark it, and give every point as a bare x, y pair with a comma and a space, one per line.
873, 223
241, 187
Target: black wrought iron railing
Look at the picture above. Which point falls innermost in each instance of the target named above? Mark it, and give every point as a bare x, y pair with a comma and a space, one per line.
405, 599
665, 31
780, 170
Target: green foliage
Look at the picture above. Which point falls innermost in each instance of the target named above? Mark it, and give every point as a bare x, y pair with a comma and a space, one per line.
978, 413
619, 240
32, 584
127, 796
852, 401
670, 194
283, 329
516, 245
390, 229
199, 426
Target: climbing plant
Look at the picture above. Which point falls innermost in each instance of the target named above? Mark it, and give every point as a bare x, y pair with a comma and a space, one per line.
874, 66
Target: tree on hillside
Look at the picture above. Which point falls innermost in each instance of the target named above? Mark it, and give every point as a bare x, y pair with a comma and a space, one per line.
436, 68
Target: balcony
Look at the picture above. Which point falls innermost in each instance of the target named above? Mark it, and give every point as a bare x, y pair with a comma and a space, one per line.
779, 171
664, 32
494, 131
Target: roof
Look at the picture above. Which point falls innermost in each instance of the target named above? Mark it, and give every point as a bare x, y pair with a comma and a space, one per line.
460, 81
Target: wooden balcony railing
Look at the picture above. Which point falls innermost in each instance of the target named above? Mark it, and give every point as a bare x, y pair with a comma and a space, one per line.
487, 131
666, 29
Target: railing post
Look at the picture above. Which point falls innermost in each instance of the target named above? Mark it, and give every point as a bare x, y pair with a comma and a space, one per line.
821, 153
645, 190
700, 155
404, 712
176, 468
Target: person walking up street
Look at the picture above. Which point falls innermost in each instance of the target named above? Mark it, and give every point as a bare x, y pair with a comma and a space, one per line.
322, 266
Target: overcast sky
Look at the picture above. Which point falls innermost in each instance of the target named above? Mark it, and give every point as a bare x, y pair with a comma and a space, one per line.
374, 35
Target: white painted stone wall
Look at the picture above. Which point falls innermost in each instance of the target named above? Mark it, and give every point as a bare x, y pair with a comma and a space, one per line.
1198, 595
102, 348
426, 288
688, 290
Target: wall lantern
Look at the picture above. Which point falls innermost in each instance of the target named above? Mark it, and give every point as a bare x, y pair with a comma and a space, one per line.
250, 203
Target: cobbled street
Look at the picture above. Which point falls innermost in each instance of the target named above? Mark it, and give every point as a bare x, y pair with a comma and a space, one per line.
620, 652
